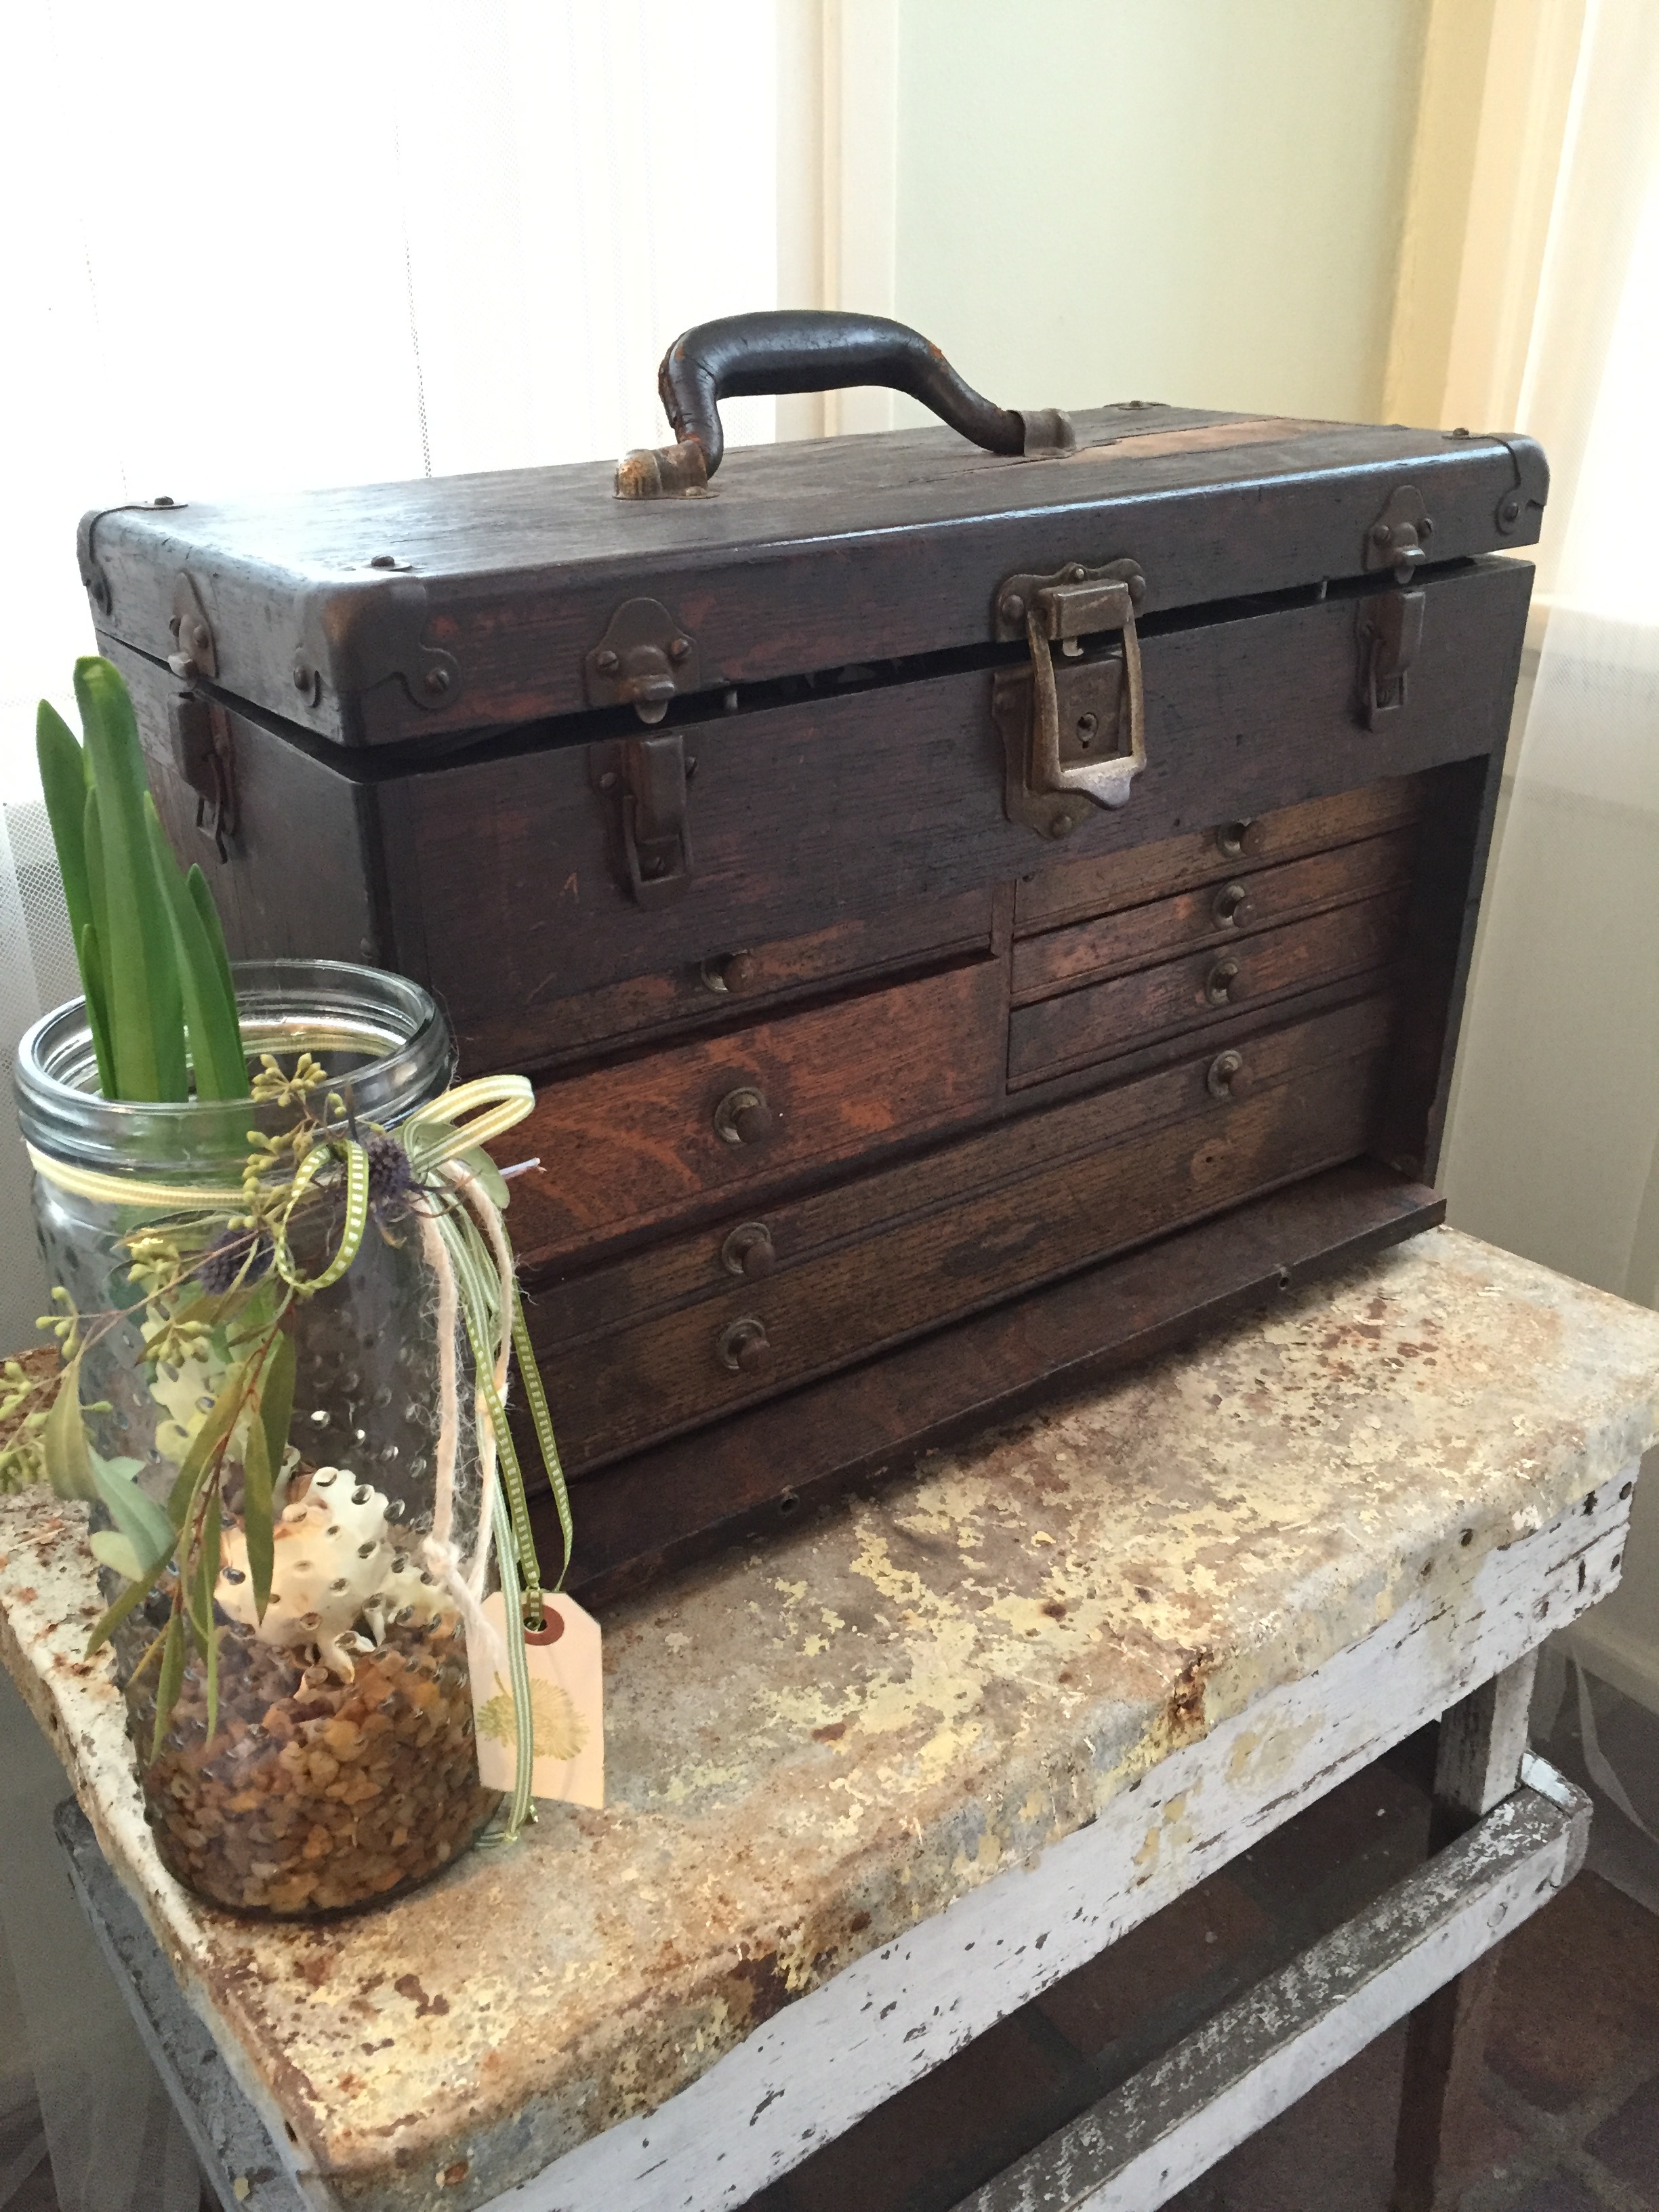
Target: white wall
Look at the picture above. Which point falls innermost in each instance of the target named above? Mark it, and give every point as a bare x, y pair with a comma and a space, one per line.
1197, 201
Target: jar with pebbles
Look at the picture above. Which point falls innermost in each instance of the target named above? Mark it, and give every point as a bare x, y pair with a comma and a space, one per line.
340, 1768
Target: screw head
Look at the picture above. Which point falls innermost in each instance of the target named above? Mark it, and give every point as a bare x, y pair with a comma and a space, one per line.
1510, 508
198, 636
678, 649
1380, 533
383, 560
1061, 826
1012, 609
606, 662
608, 780
162, 500
1077, 572
301, 674
436, 681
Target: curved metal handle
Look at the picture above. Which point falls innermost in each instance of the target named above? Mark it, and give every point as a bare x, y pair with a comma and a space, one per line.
812, 349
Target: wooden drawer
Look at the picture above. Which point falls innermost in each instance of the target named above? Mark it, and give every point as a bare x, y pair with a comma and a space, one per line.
662, 1137
1229, 912
1115, 880
903, 1250
1102, 1019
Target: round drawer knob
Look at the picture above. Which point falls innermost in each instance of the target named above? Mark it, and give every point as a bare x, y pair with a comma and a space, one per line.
730, 971
1235, 839
748, 1251
1221, 981
1233, 907
743, 1117
744, 1347
1227, 1076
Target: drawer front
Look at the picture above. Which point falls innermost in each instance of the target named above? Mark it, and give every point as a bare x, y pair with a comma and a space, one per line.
649, 1141
1102, 1019
507, 892
1228, 913
675, 1369
1116, 880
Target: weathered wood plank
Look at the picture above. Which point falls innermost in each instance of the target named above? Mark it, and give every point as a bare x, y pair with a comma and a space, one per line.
823, 2063
1171, 2123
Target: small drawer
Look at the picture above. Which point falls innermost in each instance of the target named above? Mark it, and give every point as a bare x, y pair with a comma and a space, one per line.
1221, 914
1112, 881
658, 1138
1102, 1019
1167, 1151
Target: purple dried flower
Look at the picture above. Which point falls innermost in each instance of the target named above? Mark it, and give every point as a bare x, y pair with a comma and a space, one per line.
221, 1264
391, 1178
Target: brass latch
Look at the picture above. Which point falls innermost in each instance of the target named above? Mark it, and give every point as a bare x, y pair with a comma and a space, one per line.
648, 776
1390, 630
1073, 727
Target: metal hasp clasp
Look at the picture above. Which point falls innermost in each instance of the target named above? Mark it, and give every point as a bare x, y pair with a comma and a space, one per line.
643, 660
1073, 726
1399, 538
648, 776
1390, 626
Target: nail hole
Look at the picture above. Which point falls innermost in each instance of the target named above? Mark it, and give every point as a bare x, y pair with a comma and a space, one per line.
1627, 1489
1466, 1538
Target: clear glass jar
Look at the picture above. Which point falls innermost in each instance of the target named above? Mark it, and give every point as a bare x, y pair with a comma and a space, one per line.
342, 1768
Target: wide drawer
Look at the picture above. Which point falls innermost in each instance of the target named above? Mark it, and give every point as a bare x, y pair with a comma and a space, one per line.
1190, 1152
1102, 1019
663, 1136
1223, 913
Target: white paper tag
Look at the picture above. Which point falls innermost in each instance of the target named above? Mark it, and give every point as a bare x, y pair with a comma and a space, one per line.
567, 1699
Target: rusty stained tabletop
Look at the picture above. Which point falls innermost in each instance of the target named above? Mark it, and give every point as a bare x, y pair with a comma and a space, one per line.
814, 1746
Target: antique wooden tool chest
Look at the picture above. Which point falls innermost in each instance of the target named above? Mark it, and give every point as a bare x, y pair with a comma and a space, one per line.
976, 901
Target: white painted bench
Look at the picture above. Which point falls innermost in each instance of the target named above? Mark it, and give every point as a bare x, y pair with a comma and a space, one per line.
876, 1787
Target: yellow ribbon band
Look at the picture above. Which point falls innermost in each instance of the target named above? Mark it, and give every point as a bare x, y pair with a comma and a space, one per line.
495, 1102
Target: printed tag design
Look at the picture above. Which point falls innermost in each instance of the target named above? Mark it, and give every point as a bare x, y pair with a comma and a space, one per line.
566, 1700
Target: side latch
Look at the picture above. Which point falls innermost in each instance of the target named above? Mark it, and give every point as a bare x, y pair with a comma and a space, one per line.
1390, 630
649, 777
202, 754
1399, 538
643, 660
1073, 726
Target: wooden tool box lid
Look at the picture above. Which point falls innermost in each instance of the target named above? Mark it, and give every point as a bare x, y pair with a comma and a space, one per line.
421, 612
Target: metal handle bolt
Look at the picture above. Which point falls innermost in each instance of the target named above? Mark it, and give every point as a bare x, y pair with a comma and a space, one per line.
748, 1251
1226, 1077
744, 1348
1233, 908
743, 1117
1218, 984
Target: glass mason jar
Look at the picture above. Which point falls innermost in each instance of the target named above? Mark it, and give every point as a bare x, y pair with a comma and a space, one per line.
342, 1768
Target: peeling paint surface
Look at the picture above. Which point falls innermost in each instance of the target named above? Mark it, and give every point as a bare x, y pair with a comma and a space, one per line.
814, 1746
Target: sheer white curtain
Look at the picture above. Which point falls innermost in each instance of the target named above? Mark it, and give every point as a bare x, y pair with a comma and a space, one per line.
1553, 1148
337, 242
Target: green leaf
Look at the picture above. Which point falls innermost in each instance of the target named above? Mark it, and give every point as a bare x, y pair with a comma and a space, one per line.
92, 981
495, 1183
217, 1424
257, 1516
205, 1574
210, 1012
63, 1439
116, 1552
172, 1674
276, 1400
213, 929
133, 1594
145, 1006
64, 785
139, 1519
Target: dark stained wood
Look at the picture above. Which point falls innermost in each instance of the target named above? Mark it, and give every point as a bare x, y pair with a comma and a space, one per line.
504, 892
733, 1483
1104, 1018
636, 1144
667, 1374
1440, 945
756, 977
805, 557
1136, 936
575, 1304
1079, 889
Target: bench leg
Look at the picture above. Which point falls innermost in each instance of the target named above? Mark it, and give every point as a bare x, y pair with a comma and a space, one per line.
1481, 1744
